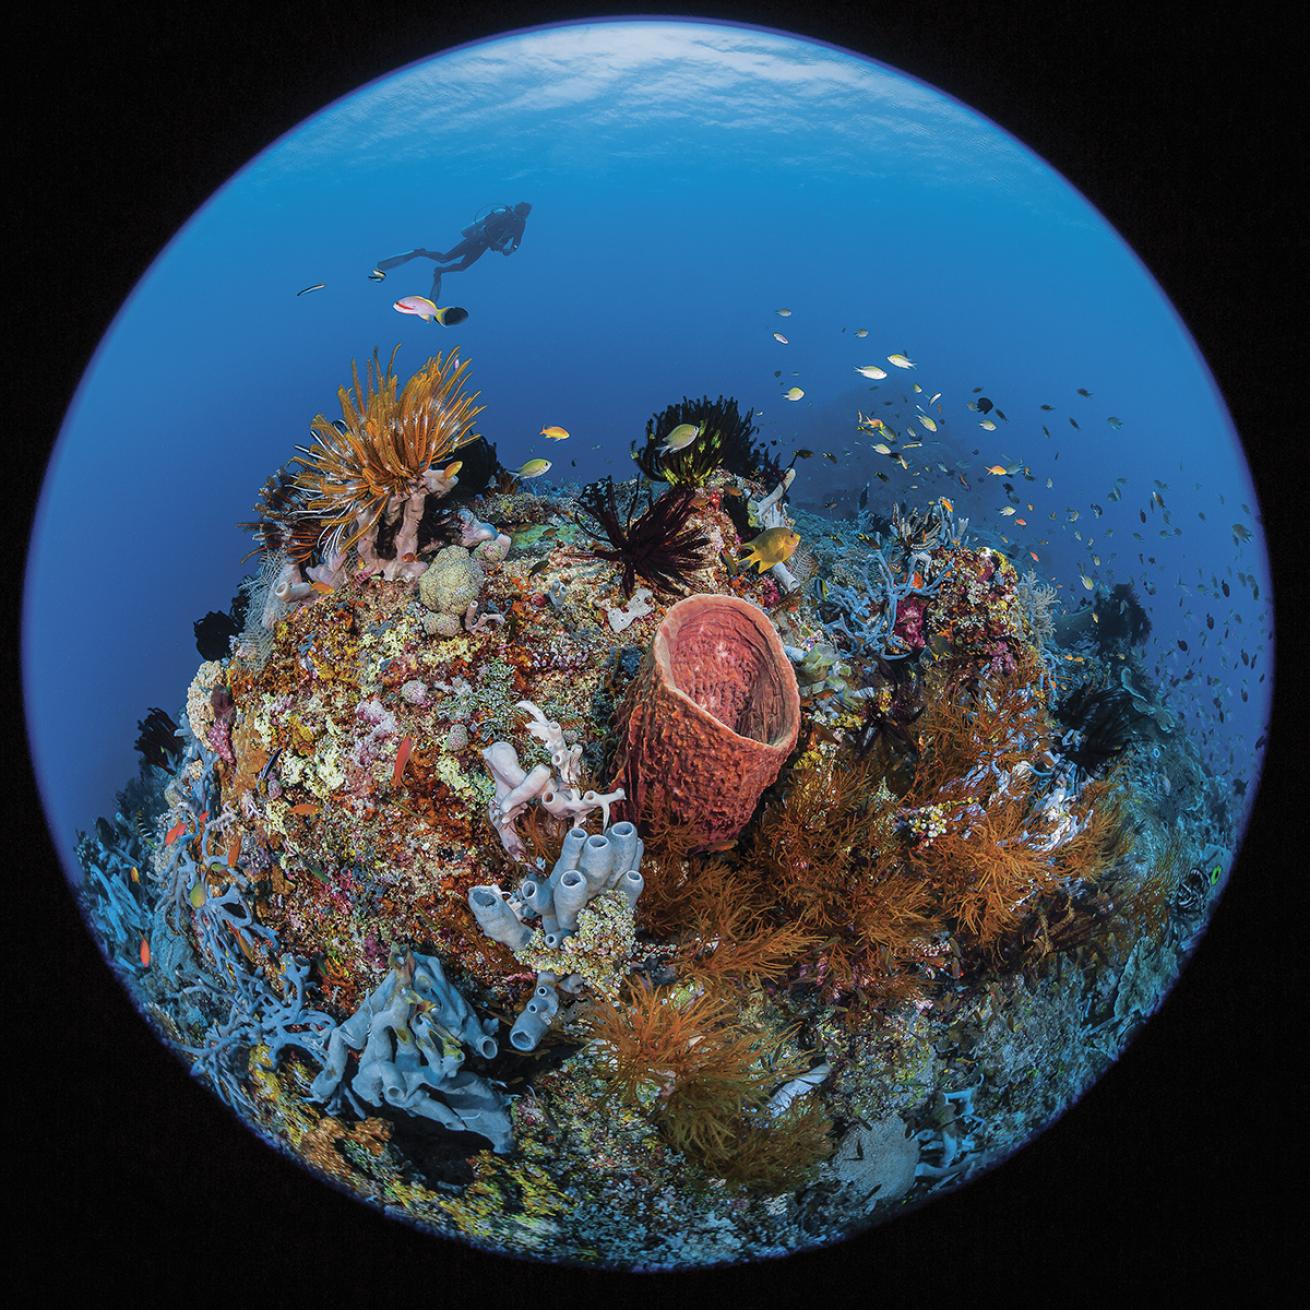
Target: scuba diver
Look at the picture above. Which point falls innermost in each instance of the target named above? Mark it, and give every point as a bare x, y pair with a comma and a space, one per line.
501, 229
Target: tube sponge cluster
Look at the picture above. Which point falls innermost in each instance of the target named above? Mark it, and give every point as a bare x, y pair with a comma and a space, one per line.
409, 1032
588, 865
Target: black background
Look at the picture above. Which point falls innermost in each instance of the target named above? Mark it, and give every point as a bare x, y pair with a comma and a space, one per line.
1174, 1172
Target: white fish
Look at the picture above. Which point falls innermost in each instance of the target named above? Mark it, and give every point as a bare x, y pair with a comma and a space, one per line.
926, 422
783, 313
793, 393
988, 425
777, 336
534, 468
681, 437
419, 306
861, 332
871, 371
901, 361
1008, 510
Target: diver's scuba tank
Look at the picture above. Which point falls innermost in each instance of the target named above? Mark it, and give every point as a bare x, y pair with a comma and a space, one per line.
480, 218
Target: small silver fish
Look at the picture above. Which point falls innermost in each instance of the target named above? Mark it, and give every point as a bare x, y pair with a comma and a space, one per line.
534, 468
681, 437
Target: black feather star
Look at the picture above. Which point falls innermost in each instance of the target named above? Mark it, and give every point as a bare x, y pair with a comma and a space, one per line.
1102, 723
158, 742
657, 545
727, 442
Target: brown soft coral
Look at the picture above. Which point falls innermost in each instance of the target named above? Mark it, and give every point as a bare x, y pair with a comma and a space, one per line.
985, 850
829, 851
709, 1081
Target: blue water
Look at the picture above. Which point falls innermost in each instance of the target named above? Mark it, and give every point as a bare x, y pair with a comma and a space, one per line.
687, 180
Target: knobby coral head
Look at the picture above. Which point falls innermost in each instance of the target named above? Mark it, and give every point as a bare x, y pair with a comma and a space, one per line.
387, 439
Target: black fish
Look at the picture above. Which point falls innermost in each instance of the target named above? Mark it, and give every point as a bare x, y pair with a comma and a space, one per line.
864, 498
984, 405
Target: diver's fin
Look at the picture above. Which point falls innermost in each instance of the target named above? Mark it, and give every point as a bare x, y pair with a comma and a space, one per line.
395, 261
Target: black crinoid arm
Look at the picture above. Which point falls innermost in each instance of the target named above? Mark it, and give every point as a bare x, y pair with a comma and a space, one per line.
648, 537
727, 442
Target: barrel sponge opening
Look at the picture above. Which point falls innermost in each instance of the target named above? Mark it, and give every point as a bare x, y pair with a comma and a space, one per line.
723, 656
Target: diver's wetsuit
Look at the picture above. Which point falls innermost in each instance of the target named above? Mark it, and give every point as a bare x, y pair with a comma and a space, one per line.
501, 230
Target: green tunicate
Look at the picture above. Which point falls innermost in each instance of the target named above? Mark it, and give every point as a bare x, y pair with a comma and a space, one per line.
530, 536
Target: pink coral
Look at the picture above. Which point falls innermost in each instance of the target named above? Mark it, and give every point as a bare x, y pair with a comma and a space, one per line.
1001, 655
910, 614
219, 736
709, 719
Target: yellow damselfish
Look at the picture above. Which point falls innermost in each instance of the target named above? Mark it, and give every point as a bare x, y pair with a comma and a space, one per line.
773, 546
